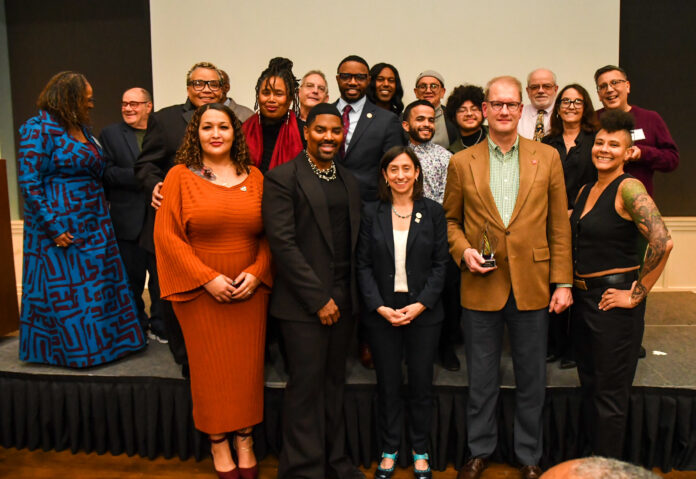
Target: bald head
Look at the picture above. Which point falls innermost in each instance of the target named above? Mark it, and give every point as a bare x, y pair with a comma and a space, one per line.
541, 88
597, 468
136, 106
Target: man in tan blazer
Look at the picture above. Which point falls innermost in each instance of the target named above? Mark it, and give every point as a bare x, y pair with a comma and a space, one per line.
514, 187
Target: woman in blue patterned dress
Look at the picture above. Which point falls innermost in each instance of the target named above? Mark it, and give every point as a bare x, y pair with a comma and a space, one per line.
77, 309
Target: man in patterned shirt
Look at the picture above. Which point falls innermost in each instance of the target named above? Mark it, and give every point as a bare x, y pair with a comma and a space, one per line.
419, 124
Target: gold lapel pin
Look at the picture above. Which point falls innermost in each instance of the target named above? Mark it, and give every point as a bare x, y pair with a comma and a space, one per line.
369, 115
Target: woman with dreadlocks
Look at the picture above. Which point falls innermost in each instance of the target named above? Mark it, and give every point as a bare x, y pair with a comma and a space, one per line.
273, 134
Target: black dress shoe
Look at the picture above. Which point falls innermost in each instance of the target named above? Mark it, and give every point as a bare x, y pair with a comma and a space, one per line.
365, 356
472, 469
642, 353
552, 357
567, 364
449, 359
531, 472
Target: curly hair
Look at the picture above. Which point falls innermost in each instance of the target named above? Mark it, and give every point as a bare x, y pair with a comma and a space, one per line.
65, 97
396, 103
588, 121
282, 68
190, 152
461, 94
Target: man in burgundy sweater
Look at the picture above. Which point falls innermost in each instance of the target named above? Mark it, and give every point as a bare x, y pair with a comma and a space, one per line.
653, 148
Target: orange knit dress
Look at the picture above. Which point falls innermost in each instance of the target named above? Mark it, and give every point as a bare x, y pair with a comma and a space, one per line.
202, 230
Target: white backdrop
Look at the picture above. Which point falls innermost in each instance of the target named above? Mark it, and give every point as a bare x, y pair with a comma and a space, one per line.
466, 41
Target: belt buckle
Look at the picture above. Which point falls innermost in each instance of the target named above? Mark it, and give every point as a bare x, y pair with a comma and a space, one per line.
581, 284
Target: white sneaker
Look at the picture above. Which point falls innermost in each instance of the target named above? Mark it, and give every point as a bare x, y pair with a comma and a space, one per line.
152, 336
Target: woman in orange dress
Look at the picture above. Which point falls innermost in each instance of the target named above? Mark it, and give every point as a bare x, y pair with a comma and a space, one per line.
215, 266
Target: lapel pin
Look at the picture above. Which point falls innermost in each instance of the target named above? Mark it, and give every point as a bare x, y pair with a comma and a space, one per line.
419, 215
243, 188
533, 162
369, 115
417, 220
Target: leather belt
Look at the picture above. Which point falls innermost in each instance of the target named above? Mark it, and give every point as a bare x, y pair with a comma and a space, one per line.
585, 284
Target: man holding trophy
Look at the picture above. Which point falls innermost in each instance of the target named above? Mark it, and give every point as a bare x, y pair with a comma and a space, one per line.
508, 230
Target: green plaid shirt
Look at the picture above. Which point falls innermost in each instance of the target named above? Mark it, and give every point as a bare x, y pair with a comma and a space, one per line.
504, 177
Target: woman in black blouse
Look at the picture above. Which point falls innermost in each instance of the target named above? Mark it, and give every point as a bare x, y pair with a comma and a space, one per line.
573, 128
610, 285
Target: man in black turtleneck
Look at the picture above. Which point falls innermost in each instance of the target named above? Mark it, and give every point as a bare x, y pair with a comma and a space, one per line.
311, 214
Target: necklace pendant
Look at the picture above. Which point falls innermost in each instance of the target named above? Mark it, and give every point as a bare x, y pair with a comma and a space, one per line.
243, 188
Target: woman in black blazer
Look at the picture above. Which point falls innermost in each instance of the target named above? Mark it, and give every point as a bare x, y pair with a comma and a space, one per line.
402, 259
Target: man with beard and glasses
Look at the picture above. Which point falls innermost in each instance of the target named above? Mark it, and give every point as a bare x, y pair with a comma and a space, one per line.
165, 131
535, 121
369, 131
311, 213
419, 124
430, 86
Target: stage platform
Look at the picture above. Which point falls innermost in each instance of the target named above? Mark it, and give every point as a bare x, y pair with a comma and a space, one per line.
141, 404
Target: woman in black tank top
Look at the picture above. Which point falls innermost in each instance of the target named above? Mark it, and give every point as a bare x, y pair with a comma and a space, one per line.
610, 287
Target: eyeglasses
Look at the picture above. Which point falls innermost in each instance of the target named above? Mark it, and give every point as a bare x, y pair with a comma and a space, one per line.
132, 104
356, 76
425, 86
312, 86
199, 85
511, 105
614, 83
543, 86
468, 111
567, 102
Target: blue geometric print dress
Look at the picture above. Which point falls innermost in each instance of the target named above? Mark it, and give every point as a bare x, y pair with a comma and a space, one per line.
77, 309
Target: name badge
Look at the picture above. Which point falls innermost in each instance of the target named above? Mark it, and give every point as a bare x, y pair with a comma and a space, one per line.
637, 134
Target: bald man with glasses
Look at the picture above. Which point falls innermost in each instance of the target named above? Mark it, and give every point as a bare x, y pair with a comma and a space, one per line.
535, 121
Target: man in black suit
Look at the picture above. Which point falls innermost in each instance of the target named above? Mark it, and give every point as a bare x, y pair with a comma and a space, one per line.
165, 130
122, 142
369, 130
311, 214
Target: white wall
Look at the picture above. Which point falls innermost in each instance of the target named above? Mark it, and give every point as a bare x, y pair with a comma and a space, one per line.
466, 41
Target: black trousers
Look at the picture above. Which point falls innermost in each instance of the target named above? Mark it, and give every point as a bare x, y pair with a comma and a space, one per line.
606, 345
314, 432
483, 337
451, 331
135, 261
165, 311
389, 345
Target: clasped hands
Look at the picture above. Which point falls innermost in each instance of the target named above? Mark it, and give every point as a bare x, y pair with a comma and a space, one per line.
402, 316
226, 290
64, 240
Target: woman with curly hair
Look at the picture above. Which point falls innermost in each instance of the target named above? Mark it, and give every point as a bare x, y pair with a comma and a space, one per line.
273, 133
214, 266
385, 88
77, 309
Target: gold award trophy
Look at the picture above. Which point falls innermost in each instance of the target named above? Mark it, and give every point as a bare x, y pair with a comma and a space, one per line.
487, 246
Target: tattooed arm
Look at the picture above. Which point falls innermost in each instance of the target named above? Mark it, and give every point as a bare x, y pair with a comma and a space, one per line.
635, 202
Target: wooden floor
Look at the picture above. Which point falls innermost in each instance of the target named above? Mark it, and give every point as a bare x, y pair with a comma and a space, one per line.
23, 464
